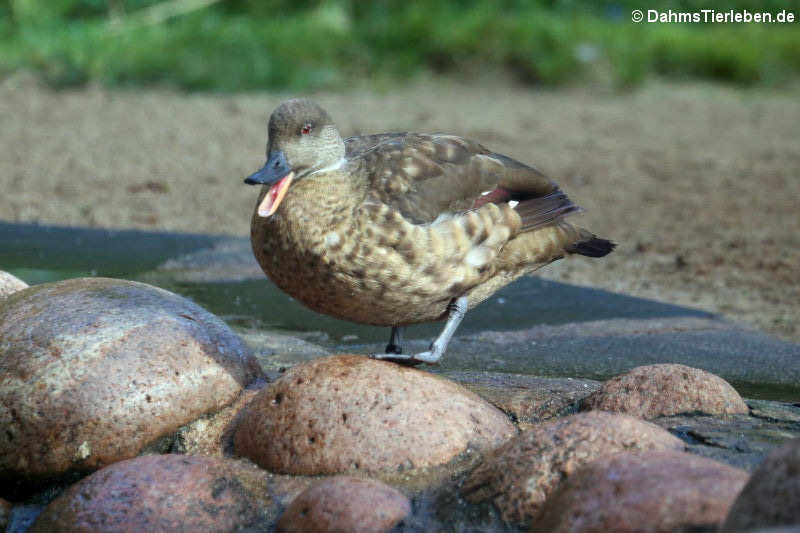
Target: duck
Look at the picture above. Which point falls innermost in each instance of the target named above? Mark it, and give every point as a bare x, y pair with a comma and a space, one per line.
393, 229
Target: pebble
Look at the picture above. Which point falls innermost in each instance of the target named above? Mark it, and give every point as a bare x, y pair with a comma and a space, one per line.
664, 390
520, 475
344, 503
94, 370
650, 491
347, 413
165, 493
772, 496
10, 284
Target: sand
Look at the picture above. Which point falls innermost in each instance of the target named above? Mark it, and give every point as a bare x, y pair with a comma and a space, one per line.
699, 184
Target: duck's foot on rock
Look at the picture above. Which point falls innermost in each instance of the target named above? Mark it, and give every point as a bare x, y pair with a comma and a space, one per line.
406, 359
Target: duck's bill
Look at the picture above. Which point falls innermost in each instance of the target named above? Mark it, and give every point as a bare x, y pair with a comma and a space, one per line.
274, 196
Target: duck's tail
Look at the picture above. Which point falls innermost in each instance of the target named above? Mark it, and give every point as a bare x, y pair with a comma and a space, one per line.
544, 210
593, 246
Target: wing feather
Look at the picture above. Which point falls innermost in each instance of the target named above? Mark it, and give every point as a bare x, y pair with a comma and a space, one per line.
425, 176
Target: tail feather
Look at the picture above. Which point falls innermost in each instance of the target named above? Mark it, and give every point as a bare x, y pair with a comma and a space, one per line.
592, 247
538, 212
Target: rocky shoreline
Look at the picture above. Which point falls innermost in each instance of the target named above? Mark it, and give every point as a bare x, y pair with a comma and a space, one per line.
124, 405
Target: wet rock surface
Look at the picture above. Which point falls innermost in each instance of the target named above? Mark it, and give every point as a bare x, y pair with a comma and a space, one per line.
94, 370
345, 503
349, 413
666, 389
739, 440
519, 476
772, 496
527, 399
10, 284
171, 493
643, 491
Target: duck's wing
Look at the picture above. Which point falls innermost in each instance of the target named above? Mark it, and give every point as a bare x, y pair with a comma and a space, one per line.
426, 176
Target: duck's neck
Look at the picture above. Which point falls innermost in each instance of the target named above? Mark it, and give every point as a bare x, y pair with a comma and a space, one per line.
320, 200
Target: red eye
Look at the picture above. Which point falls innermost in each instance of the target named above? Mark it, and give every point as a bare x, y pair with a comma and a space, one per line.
305, 130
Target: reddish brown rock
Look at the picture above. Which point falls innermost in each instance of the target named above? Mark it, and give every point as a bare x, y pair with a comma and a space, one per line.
642, 491
663, 390
344, 413
169, 493
10, 284
93, 370
520, 475
347, 504
772, 496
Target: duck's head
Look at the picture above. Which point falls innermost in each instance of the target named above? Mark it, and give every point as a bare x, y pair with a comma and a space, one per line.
302, 140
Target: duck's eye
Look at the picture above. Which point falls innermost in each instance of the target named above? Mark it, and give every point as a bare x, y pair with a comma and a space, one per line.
305, 130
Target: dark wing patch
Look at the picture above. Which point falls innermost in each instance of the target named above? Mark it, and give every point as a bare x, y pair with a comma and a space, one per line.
424, 176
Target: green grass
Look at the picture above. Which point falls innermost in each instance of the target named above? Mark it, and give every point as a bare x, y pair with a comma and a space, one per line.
252, 45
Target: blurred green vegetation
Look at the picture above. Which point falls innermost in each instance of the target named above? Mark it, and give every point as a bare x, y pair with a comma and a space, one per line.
305, 44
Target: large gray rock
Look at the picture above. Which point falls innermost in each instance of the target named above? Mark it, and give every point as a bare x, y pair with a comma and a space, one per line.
94, 370
349, 413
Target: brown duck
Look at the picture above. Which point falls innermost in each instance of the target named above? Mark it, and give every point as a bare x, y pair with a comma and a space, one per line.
400, 228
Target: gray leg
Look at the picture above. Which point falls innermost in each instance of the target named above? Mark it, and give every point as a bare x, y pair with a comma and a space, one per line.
456, 311
395, 341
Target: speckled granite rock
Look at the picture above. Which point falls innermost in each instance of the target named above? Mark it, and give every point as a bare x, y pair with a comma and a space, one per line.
520, 475
345, 503
10, 284
166, 493
772, 496
345, 413
658, 492
94, 370
666, 389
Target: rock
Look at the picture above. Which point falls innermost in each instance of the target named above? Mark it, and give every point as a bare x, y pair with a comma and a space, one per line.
5, 513
739, 440
345, 503
666, 389
643, 491
527, 399
169, 493
772, 496
94, 370
212, 434
521, 474
348, 413
10, 284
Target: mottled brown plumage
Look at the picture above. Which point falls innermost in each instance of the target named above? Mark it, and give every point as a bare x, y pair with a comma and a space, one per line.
392, 229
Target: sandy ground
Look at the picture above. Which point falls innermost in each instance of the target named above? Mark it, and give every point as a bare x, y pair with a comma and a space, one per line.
699, 184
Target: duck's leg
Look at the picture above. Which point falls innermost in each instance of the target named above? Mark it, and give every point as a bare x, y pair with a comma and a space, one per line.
455, 314
395, 341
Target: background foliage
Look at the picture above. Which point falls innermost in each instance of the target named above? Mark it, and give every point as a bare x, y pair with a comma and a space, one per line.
307, 44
